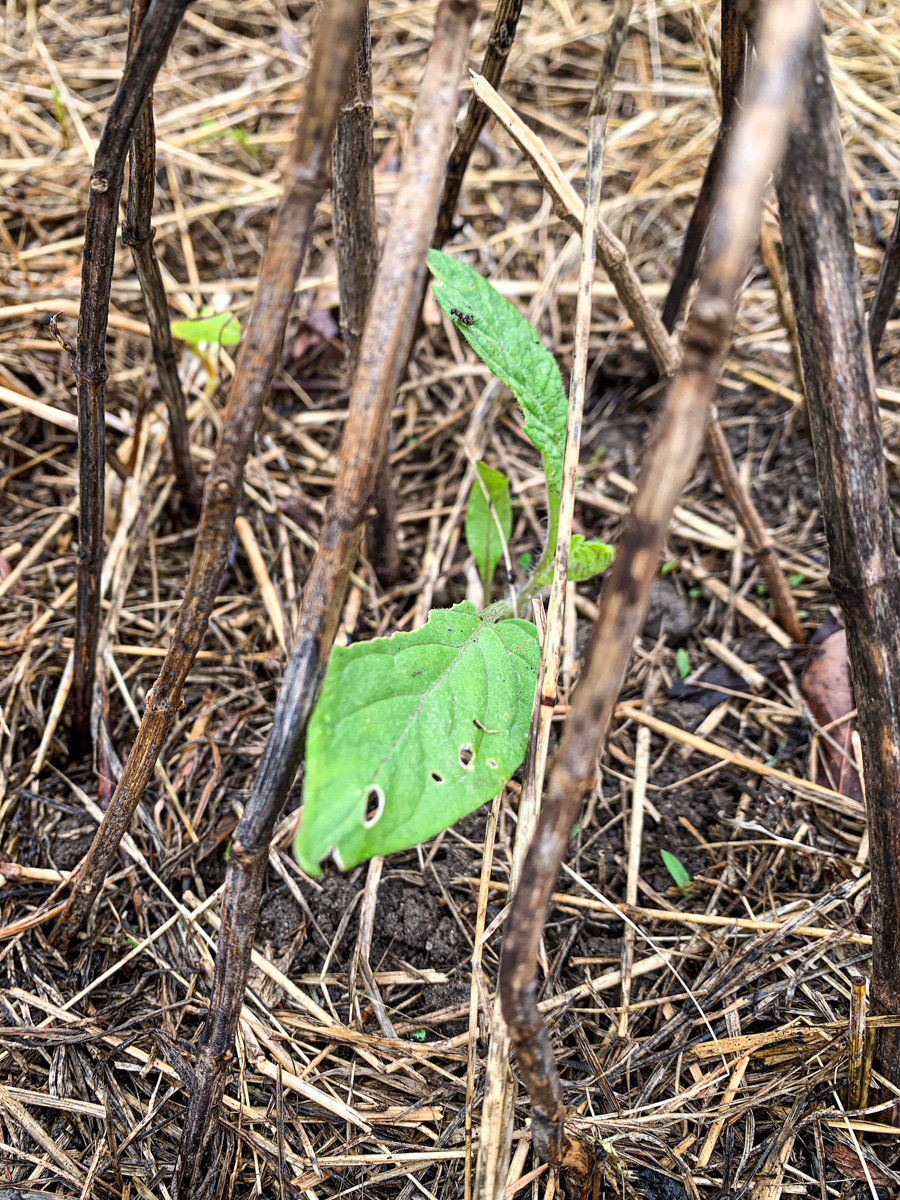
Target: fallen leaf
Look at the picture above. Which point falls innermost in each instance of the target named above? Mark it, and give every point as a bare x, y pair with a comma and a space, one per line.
827, 689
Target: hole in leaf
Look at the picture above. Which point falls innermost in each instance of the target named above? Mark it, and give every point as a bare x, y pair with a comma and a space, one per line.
492, 764
374, 805
436, 777
466, 754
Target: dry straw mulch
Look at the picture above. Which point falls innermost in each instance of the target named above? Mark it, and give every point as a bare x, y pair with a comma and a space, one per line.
721, 1060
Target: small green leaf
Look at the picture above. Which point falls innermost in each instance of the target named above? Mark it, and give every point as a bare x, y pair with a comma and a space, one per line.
795, 579
218, 327
677, 870
488, 521
695, 592
419, 1035
508, 343
683, 662
587, 559
525, 560
414, 731
669, 566
234, 133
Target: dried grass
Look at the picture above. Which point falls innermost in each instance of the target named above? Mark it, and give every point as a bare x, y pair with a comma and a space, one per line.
337, 1088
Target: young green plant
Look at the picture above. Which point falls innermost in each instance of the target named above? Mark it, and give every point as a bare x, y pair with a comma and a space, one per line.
204, 335
413, 731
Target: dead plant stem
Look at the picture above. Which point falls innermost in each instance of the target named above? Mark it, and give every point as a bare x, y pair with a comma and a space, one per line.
107, 177
752, 153
305, 179
383, 355
817, 225
137, 234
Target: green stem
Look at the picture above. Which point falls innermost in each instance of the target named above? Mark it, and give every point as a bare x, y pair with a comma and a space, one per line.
542, 575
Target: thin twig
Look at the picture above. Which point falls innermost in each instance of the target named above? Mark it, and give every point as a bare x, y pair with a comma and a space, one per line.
752, 154
732, 58
817, 224
500, 42
383, 354
137, 233
886, 291
107, 177
306, 174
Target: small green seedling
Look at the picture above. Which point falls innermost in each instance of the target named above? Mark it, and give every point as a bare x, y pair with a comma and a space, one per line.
205, 334
59, 111
233, 133
677, 870
413, 731
683, 662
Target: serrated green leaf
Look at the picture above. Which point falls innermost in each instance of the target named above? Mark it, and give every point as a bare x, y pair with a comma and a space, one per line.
676, 869
414, 731
221, 328
507, 343
587, 559
488, 521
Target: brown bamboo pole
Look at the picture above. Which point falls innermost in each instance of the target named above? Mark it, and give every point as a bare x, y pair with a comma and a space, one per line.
817, 228
107, 177
305, 179
383, 353
752, 153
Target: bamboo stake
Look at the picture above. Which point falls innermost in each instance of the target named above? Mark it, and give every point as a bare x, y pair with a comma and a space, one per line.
356, 246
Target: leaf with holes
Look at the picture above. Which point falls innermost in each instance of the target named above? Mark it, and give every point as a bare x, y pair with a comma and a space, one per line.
508, 343
412, 732
488, 521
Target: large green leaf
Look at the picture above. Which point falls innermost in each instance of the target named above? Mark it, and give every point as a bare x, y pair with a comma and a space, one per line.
488, 521
510, 346
412, 732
